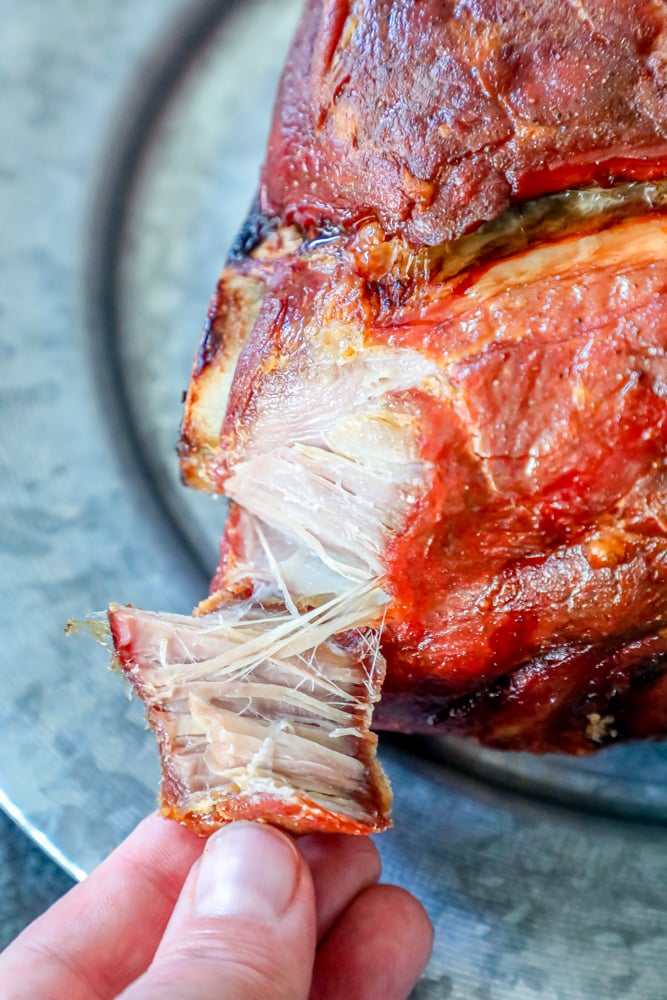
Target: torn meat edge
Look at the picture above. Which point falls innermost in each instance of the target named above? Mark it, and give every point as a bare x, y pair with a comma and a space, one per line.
262, 715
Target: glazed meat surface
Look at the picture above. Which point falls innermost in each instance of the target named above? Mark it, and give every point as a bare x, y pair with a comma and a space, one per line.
432, 117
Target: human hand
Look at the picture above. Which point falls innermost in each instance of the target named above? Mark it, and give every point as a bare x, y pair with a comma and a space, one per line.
256, 914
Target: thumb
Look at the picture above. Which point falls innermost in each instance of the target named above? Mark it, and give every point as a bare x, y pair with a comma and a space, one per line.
243, 927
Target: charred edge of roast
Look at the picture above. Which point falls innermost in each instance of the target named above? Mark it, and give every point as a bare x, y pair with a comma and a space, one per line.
573, 699
232, 314
256, 228
539, 220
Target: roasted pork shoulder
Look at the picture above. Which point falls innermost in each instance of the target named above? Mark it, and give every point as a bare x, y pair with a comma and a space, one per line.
433, 386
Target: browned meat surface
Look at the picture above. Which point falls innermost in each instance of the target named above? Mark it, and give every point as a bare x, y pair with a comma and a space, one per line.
571, 699
433, 116
544, 518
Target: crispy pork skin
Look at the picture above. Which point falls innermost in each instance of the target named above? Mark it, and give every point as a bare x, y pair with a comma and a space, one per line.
433, 386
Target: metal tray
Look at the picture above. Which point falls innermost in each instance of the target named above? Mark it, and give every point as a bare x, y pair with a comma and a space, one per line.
544, 878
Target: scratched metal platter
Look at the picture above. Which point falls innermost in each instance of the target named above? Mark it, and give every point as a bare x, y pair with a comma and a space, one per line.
543, 877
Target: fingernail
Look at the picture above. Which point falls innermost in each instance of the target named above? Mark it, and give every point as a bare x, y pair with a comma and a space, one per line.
247, 870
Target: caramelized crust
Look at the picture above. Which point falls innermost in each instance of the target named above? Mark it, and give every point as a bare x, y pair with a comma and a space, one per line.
231, 317
544, 520
433, 117
573, 699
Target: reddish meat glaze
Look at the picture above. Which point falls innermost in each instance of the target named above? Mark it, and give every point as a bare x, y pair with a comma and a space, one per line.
433, 116
543, 523
569, 700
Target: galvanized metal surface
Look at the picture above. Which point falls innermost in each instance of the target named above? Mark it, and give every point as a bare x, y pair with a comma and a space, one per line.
132, 155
